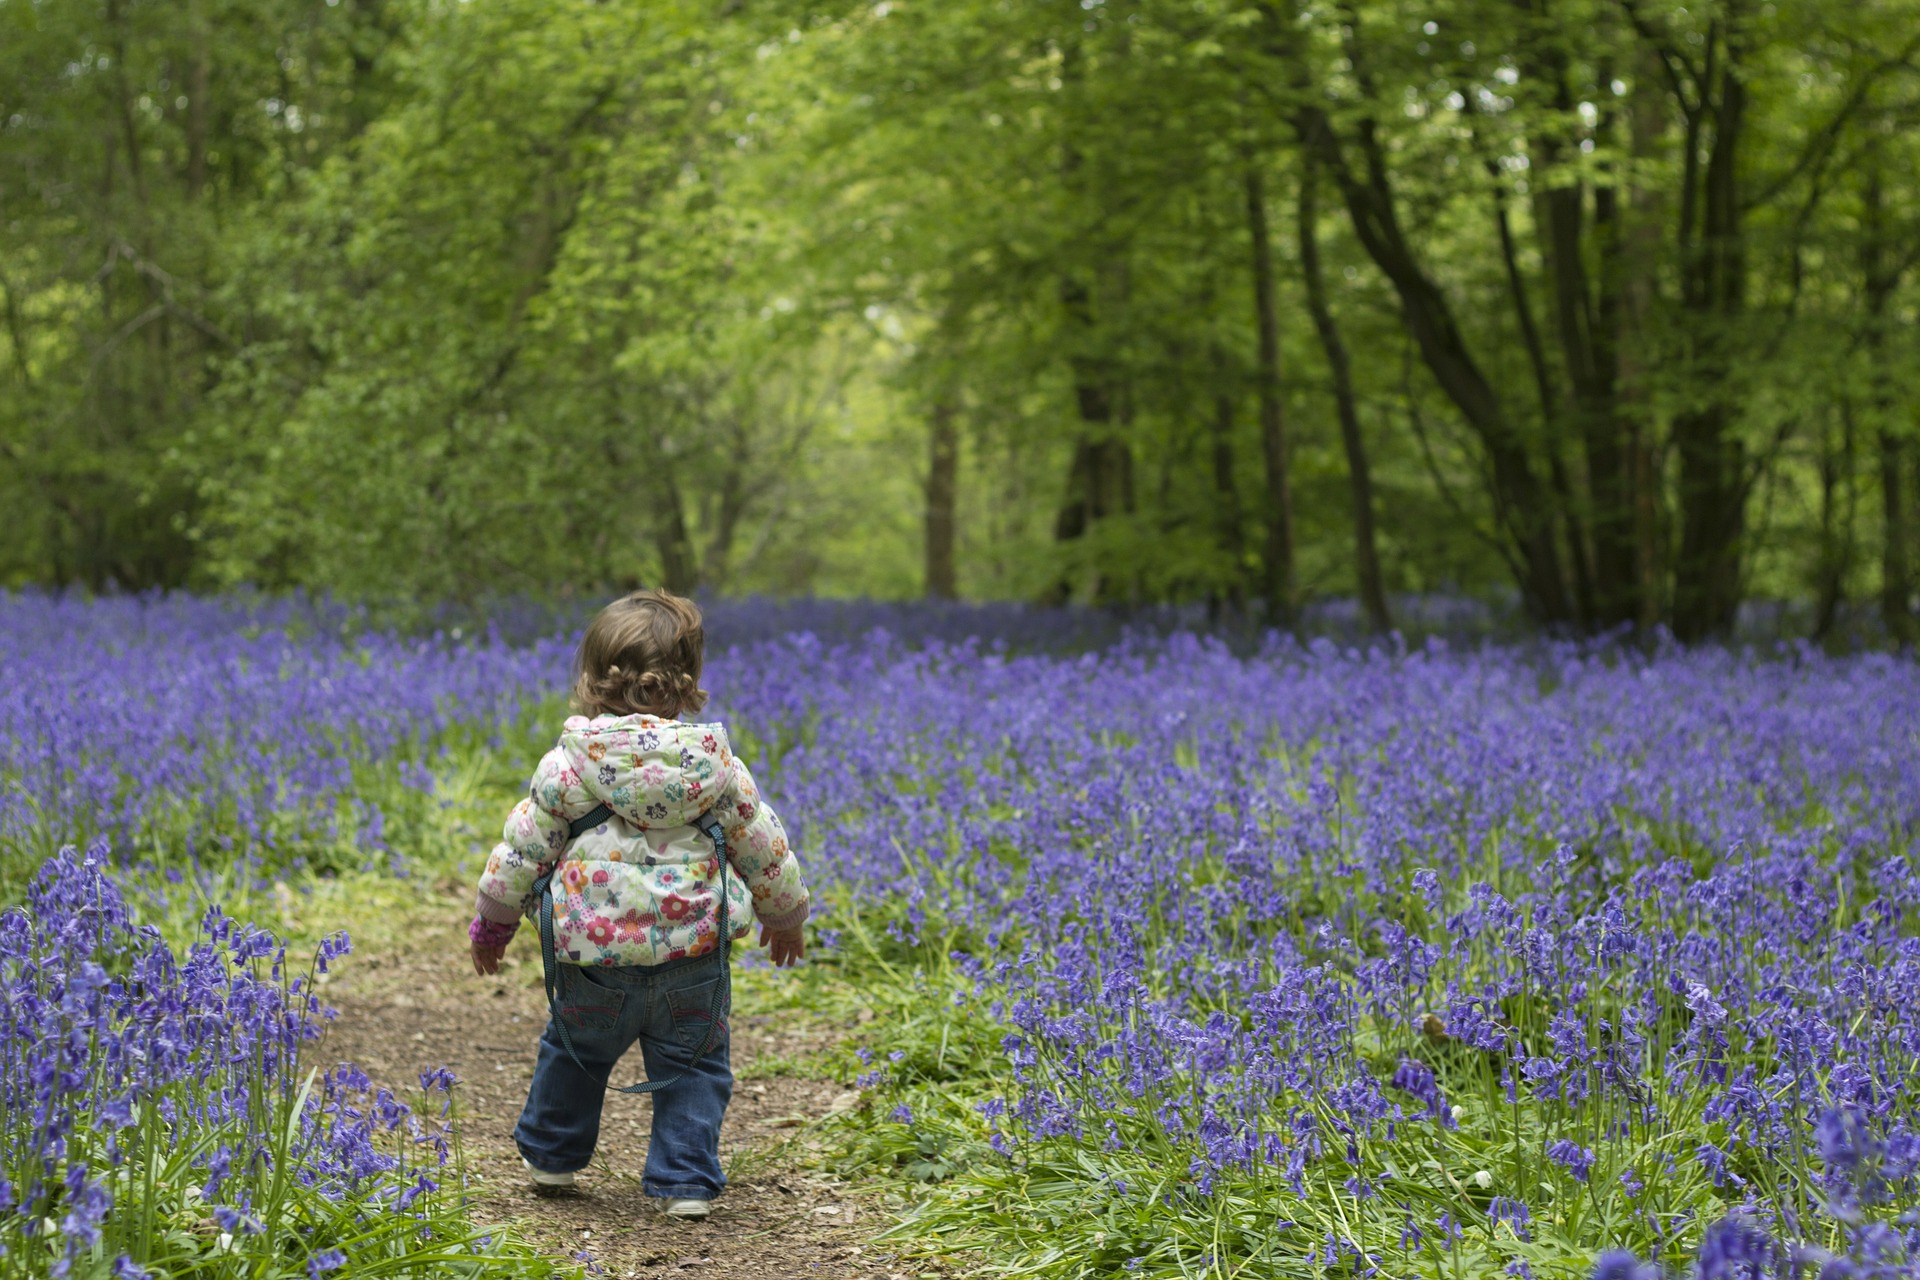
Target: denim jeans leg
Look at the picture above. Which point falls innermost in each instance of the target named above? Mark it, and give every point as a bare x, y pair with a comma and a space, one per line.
683, 1149
560, 1125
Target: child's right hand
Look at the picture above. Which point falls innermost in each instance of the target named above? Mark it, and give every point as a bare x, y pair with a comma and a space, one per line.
486, 959
787, 945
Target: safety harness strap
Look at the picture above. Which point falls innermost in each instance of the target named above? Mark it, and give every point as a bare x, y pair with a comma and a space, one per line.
708, 826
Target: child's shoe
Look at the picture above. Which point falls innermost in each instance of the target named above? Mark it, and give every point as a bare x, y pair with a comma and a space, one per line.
547, 1183
677, 1207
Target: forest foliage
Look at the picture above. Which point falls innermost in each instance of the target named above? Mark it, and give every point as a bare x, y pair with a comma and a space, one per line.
1607, 303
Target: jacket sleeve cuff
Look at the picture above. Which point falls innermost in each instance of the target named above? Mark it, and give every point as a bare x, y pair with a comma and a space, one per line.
788, 920
491, 933
498, 912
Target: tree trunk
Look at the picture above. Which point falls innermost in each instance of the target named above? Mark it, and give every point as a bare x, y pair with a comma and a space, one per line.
1633, 258
943, 475
1896, 564
1881, 279
1837, 510
199, 90
1233, 546
679, 567
368, 37
1100, 480
1522, 503
1713, 482
1366, 554
730, 503
1586, 322
1567, 508
1281, 588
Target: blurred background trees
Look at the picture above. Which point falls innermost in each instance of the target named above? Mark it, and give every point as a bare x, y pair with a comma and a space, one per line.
1609, 303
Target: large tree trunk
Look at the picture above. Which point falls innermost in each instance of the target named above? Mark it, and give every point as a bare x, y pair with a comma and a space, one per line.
1278, 571
1633, 259
1713, 480
943, 475
1366, 553
1586, 319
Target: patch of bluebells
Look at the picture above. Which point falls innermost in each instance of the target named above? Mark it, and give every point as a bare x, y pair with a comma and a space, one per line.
155, 1113
221, 727
1634, 934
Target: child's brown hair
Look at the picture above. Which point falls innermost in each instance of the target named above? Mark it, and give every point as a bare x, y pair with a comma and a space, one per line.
641, 655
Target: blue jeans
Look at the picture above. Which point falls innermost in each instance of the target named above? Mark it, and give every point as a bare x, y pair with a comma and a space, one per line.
665, 1007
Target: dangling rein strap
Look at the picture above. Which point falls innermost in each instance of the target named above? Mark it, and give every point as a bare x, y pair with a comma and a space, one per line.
709, 827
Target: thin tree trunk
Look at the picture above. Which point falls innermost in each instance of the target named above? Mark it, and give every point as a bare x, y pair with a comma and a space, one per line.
199, 89
1837, 510
679, 566
368, 36
943, 476
1233, 545
730, 502
1568, 516
1100, 479
129, 132
1366, 553
1896, 564
1279, 580
1522, 504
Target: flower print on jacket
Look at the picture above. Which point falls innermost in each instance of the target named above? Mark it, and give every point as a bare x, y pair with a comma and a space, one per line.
641, 888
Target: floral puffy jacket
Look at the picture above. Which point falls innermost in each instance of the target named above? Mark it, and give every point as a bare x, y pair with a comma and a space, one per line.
642, 887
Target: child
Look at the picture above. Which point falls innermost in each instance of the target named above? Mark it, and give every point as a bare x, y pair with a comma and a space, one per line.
635, 900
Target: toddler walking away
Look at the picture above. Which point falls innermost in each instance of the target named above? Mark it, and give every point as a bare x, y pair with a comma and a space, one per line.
639, 896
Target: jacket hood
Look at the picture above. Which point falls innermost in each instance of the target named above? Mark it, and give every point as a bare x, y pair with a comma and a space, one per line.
653, 772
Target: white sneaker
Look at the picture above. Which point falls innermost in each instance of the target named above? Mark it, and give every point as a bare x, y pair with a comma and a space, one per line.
681, 1208
547, 1181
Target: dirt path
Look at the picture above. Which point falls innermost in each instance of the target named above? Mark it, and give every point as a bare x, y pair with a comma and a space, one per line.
400, 1014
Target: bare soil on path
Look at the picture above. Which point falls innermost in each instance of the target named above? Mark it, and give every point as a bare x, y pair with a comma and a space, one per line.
400, 1014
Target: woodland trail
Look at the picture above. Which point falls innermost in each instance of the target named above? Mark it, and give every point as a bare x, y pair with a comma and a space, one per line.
400, 1014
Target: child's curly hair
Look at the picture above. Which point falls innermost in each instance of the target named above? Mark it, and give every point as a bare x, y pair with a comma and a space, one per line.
641, 655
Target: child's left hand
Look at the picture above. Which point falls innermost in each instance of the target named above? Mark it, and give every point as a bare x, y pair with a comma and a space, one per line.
487, 959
